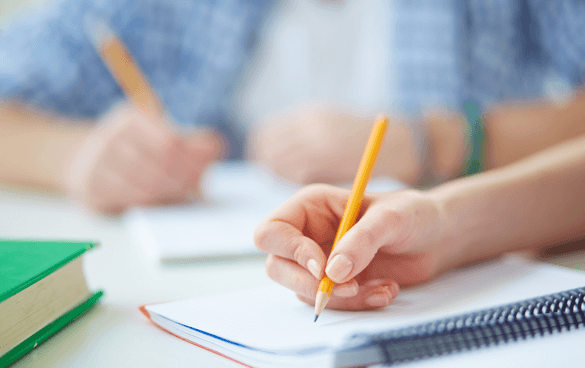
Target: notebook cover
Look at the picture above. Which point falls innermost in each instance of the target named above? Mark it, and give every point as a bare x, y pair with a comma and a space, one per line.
24, 262
142, 308
49, 330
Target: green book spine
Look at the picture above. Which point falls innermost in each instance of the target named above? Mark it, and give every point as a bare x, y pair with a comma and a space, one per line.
49, 330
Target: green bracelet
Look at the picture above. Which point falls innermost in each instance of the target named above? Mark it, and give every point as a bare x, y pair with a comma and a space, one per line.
475, 162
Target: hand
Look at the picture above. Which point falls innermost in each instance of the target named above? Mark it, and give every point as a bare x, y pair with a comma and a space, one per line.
398, 239
319, 145
130, 160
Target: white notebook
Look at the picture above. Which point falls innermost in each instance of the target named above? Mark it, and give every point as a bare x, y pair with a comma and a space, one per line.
269, 327
238, 196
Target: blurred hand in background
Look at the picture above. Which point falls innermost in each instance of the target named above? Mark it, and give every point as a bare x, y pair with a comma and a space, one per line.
311, 145
316, 144
129, 160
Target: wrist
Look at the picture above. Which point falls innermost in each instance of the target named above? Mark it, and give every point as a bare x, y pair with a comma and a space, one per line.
454, 238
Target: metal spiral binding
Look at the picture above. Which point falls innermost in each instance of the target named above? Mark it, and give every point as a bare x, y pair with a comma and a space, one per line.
521, 320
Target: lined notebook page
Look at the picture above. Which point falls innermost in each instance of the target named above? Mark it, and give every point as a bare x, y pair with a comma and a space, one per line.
272, 319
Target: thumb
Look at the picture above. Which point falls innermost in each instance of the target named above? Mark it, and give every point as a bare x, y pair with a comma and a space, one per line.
353, 253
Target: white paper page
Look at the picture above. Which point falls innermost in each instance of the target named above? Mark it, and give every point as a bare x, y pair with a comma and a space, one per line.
239, 196
273, 319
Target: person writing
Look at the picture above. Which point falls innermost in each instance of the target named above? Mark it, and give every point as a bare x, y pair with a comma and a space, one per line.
410, 236
520, 61
528, 197
63, 122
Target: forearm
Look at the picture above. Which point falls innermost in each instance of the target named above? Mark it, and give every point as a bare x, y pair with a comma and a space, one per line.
535, 202
517, 131
35, 147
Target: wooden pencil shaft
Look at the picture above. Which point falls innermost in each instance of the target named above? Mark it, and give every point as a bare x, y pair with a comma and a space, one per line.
129, 76
354, 202
362, 177
360, 183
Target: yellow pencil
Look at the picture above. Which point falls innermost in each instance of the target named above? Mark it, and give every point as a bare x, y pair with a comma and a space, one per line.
354, 203
125, 71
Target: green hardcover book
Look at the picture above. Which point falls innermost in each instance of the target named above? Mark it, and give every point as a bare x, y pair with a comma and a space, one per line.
42, 289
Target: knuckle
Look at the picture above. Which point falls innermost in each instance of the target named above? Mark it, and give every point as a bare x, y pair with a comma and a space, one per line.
300, 254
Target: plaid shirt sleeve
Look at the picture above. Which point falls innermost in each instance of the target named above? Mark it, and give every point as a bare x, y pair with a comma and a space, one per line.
515, 49
189, 50
563, 30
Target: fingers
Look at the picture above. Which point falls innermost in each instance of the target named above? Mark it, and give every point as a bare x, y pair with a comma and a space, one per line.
127, 161
144, 160
375, 294
402, 223
303, 228
204, 148
160, 172
284, 240
292, 276
281, 143
405, 269
354, 252
108, 192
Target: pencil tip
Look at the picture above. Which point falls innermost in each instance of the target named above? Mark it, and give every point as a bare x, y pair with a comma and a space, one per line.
316, 316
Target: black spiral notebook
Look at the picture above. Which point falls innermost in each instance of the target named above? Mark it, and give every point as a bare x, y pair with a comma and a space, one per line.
512, 322
490, 306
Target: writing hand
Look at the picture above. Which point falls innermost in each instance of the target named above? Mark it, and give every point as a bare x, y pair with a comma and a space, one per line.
324, 145
396, 240
130, 160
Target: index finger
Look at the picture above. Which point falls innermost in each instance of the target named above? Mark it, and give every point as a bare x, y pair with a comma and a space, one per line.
304, 226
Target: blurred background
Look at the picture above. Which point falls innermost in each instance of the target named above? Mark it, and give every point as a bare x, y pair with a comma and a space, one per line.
10, 9
336, 53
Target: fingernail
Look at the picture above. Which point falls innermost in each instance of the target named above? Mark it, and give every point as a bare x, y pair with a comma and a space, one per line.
378, 300
345, 291
339, 267
314, 268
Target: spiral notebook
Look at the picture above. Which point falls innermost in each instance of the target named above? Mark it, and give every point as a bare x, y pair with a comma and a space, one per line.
464, 310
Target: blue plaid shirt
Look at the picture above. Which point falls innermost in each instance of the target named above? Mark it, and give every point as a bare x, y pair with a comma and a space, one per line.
449, 51
189, 50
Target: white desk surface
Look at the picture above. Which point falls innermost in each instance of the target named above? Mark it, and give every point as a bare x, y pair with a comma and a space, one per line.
115, 334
